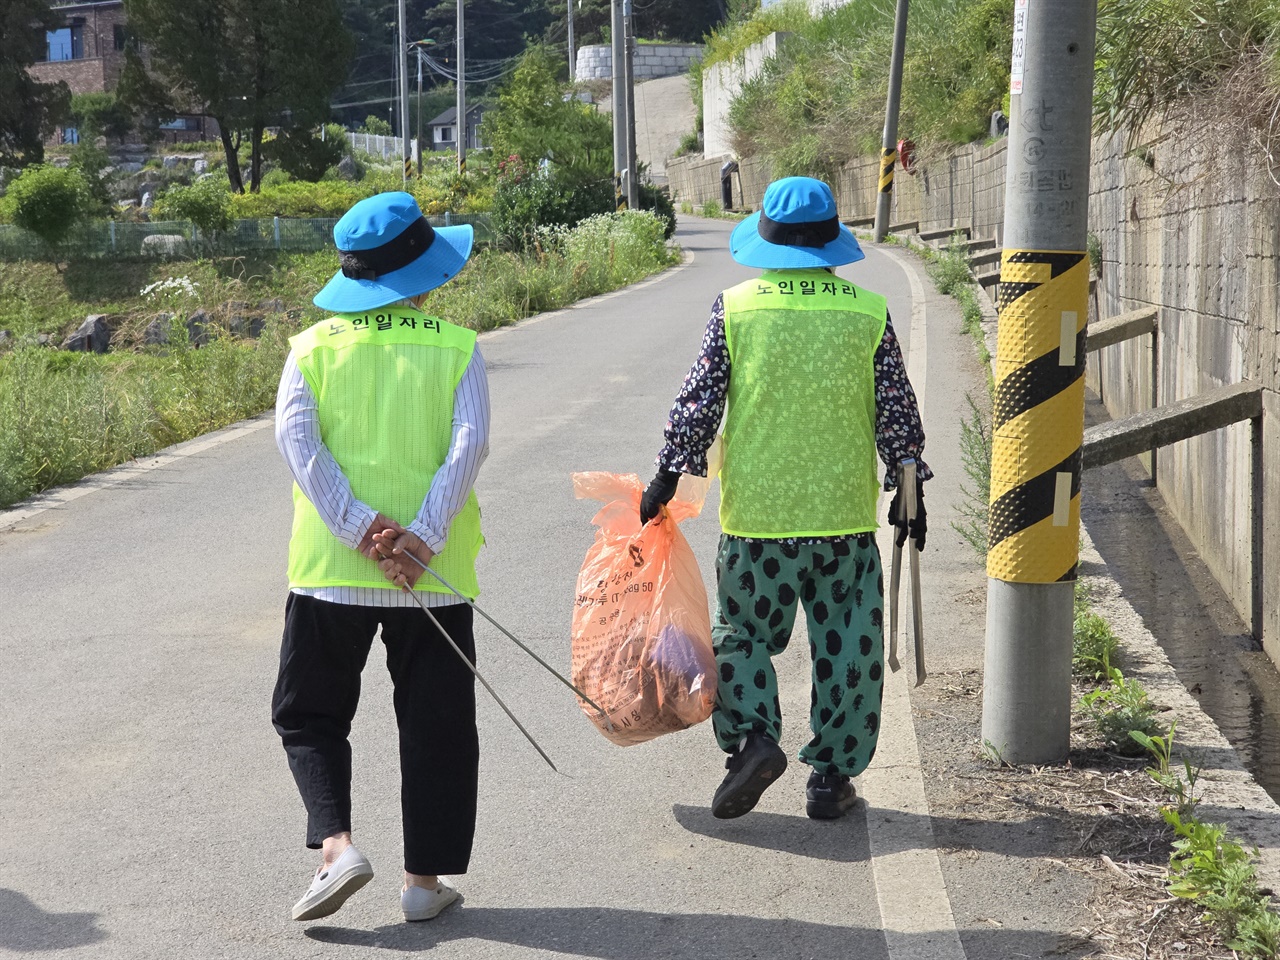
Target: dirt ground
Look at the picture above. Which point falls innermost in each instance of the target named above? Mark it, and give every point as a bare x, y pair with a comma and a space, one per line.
1097, 816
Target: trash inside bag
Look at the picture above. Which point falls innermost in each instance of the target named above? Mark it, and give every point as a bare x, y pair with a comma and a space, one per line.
641, 627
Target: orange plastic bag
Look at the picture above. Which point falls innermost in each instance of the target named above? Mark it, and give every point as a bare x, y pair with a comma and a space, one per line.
641, 628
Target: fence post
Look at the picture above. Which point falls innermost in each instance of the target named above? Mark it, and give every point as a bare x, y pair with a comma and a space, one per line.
446, 218
113, 236
276, 229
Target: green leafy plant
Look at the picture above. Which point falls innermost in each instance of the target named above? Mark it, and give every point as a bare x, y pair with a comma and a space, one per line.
375, 126
1181, 791
951, 270
1121, 708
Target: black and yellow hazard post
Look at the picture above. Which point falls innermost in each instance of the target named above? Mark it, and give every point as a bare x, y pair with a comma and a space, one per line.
408, 167
889, 151
1038, 413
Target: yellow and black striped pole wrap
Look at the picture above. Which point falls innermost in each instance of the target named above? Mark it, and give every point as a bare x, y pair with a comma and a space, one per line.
1037, 418
888, 157
408, 168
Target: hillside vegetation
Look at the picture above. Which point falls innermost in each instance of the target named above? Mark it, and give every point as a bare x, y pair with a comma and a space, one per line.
1197, 65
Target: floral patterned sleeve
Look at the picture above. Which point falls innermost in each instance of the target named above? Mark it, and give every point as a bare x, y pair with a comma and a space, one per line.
699, 407
899, 433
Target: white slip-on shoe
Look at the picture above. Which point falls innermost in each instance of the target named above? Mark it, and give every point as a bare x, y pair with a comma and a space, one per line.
331, 886
419, 903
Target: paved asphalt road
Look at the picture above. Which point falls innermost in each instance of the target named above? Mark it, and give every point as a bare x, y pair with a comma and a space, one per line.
146, 804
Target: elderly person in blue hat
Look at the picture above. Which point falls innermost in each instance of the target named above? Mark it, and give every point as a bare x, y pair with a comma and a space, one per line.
812, 376
383, 419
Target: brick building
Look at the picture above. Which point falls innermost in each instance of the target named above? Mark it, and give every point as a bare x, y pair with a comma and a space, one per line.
88, 52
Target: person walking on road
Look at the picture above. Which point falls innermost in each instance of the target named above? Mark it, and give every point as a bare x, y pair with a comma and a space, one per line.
814, 383
383, 419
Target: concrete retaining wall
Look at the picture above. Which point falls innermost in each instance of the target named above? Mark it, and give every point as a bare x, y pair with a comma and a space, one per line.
1197, 237
721, 83
595, 62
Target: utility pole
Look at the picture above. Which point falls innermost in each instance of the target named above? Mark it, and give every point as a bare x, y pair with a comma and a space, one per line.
889, 145
461, 132
1038, 413
633, 178
403, 69
417, 49
617, 42
573, 60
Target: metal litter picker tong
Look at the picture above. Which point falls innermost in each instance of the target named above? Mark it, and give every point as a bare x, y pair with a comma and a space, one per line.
471, 666
907, 513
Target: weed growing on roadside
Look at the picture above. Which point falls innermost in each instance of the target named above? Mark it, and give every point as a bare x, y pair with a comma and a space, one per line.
1119, 709
1181, 791
950, 269
992, 754
711, 209
1093, 645
975, 457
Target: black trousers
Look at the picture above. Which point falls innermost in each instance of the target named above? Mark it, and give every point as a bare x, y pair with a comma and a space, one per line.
324, 650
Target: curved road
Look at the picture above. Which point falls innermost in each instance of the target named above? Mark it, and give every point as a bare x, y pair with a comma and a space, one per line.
147, 807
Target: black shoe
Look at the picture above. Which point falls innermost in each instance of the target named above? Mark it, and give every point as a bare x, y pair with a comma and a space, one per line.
753, 768
828, 796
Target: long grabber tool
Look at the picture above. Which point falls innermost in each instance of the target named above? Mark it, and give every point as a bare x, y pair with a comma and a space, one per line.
514, 639
472, 667
907, 508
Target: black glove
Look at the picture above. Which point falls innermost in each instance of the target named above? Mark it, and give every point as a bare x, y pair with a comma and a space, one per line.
660, 491
917, 527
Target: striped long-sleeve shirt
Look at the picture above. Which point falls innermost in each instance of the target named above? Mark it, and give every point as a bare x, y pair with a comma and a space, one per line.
322, 481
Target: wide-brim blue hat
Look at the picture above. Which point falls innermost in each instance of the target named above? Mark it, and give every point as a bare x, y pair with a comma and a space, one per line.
390, 252
797, 226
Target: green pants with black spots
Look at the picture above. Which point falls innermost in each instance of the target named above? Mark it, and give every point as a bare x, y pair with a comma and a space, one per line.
839, 583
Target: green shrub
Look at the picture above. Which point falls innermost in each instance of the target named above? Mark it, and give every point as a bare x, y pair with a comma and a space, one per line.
328, 198
658, 202
375, 126
101, 115
48, 201
303, 155
206, 203
526, 200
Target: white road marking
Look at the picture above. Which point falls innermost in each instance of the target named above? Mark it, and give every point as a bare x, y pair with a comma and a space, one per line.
915, 911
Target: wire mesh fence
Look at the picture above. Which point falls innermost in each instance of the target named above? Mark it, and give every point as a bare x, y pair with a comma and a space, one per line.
176, 239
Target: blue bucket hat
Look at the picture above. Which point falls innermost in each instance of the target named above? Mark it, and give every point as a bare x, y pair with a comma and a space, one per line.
796, 227
389, 252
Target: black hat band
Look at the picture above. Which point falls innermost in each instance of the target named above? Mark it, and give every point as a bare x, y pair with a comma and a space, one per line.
396, 253
812, 234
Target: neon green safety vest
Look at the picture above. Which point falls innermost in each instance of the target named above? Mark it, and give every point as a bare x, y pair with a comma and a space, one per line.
799, 436
384, 382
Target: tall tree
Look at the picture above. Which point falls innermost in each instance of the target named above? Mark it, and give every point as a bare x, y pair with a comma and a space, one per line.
249, 64
29, 110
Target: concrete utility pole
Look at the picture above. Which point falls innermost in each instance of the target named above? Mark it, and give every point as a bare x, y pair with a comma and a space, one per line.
1038, 413
573, 60
633, 178
418, 138
402, 66
617, 43
461, 133
889, 145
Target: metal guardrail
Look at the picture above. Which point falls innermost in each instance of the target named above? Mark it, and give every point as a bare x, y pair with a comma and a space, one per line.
1140, 432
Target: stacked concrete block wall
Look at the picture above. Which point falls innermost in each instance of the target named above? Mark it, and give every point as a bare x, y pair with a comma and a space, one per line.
651, 60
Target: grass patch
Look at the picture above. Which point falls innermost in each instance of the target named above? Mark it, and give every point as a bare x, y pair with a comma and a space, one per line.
67, 415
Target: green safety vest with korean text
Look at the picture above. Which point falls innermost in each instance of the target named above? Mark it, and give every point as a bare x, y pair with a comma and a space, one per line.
384, 383
799, 435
